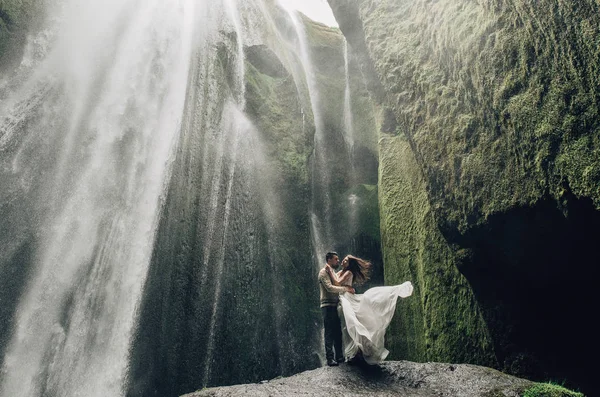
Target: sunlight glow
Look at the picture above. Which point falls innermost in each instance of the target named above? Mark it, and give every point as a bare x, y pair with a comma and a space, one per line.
317, 10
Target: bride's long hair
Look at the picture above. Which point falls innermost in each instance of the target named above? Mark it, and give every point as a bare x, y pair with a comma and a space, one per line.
360, 268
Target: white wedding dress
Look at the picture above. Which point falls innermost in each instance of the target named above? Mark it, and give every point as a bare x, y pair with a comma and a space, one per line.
365, 317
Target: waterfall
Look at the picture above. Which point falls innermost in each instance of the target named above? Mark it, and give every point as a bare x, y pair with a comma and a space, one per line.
348, 120
240, 137
322, 235
237, 125
114, 90
240, 86
348, 123
217, 306
157, 236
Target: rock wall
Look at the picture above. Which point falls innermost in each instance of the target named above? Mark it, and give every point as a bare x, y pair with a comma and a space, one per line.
17, 17
217, 308
442, 321
232, 295
498, 103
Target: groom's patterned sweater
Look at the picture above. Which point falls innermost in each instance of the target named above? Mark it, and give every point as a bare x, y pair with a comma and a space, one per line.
330, 294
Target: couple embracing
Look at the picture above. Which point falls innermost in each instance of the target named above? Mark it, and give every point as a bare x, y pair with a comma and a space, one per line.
355, 324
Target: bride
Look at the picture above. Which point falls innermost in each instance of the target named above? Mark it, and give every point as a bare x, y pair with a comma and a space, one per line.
365, 317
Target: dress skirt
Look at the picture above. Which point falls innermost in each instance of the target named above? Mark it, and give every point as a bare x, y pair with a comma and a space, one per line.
365, 318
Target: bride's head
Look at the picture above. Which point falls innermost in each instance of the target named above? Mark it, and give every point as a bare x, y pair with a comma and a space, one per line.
360, 268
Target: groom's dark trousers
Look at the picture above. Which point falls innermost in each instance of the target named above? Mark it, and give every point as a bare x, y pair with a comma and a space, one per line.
333, 333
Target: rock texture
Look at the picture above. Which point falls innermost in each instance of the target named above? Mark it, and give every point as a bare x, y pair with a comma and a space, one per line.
401, 378
498, 98
442, 321
493, 106
16, 18
232, 294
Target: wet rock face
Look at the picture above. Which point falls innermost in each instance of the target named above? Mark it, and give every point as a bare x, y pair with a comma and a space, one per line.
265, 61
16, 18
200, 325
497, 101
400, 378
232, 294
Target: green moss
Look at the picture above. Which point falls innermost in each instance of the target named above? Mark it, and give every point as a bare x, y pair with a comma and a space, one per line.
320, 35
362, 203
273, 104
581, 164
496, 105
495, 97
441, 321
549, 390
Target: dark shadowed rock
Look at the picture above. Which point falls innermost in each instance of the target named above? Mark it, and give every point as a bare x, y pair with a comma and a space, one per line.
265, 61
394, 378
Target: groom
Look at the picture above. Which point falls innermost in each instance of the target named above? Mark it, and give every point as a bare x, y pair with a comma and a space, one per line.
329, 302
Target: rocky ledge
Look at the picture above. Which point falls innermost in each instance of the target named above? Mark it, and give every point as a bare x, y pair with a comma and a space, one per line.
393, 378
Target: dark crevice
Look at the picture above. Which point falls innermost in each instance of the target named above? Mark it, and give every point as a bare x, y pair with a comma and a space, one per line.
534, 272
14, 274
6, 18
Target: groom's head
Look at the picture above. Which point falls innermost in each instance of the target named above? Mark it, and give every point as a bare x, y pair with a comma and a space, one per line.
332, 259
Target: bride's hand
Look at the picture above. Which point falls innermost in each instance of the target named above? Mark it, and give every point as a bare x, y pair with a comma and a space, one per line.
350, 290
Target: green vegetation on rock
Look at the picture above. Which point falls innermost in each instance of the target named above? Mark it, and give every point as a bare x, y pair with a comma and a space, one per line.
549, 390
499, 98
327, 53
441, 321
273, 103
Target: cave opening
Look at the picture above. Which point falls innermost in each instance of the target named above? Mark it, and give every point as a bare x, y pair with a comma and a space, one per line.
534, 272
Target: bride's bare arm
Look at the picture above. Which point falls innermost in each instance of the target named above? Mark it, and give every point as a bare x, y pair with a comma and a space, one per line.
334, 277
339, 278
345, 276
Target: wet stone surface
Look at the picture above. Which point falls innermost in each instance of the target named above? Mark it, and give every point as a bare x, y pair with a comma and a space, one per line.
395, 378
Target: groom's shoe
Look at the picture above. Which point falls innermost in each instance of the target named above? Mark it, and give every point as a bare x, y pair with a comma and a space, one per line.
332, 363
340, 360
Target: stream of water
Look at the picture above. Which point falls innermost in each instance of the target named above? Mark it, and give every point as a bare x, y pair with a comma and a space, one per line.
132, 110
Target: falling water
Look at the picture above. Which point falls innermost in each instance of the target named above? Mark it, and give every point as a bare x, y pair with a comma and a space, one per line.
236, 127
222, 228
128, 164
310, 75
348, 123
348, 120
116, 87
320, 174
240, 88
317, 240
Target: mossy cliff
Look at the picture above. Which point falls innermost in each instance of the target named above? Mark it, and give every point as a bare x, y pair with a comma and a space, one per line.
497, 103
442, 321
351, 149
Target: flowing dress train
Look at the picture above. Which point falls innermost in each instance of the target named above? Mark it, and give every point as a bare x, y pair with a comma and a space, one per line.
365, 318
